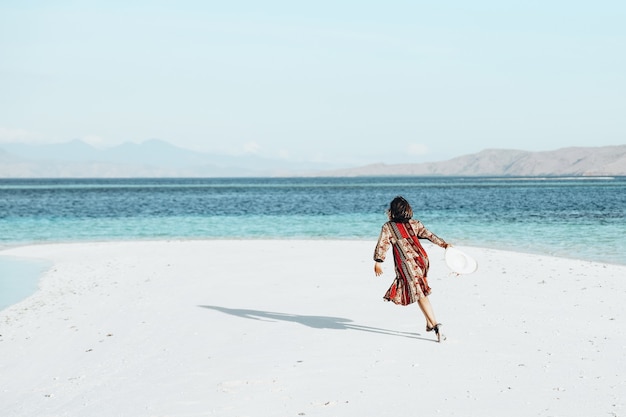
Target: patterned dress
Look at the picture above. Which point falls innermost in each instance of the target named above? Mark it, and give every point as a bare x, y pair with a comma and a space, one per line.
410, 259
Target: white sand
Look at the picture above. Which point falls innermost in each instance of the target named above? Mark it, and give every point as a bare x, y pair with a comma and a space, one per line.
299, 328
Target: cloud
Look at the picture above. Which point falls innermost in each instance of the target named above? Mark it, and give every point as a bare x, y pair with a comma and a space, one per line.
251, 147
417, 149
16, 135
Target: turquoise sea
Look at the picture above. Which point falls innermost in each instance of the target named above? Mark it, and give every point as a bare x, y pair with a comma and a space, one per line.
583, 218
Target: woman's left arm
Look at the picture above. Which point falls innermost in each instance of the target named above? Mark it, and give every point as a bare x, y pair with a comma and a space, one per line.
384, 241
380, 252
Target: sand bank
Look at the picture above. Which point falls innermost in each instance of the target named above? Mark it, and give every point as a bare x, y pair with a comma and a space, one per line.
299, 328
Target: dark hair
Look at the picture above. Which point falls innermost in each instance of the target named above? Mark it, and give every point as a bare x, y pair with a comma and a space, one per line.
400, 210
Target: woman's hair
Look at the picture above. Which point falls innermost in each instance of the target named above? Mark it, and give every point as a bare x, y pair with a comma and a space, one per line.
400, 210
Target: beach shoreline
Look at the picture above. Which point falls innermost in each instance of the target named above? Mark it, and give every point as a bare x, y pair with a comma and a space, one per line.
298, 327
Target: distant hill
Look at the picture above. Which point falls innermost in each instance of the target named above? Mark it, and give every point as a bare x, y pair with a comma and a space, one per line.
157, 158
152, 158
598, 161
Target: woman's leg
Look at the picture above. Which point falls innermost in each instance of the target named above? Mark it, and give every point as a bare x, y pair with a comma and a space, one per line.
427, 309
431, 321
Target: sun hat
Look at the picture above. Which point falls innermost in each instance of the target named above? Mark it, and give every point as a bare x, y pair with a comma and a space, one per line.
460, 262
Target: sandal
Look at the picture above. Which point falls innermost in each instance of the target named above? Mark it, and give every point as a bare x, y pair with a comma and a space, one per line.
440, 335
430, 329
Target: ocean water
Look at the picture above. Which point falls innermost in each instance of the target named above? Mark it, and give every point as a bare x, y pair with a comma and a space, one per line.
583, 218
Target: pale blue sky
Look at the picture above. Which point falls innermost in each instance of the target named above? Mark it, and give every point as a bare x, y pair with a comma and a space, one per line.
341, 81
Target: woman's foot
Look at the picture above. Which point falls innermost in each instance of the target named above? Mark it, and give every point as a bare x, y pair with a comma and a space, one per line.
437, 332
440, 336
430, 328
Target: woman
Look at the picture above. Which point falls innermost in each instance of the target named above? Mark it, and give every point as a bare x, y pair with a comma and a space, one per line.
402, 233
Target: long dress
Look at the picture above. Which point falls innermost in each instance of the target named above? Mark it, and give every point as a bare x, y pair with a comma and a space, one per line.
410, 259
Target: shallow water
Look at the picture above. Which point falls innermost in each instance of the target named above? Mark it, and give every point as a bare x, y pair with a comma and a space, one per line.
583, 218
18, 278
574, 217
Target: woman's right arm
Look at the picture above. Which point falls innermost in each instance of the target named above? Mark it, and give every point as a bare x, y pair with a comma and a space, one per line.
423, 233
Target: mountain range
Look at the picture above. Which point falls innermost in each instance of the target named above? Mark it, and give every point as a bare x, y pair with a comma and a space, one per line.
156, 158
574, 161
152, 158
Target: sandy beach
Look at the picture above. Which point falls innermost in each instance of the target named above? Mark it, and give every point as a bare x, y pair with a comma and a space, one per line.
299, 328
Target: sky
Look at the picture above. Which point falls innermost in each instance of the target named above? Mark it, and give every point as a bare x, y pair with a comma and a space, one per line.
344, 82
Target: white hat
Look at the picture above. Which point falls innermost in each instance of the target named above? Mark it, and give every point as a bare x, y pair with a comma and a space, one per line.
460, 262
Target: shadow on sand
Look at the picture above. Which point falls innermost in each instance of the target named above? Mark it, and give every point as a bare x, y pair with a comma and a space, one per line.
315, 322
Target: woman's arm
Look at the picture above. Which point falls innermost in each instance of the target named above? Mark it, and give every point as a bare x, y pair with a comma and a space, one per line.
380, 252
423, 233
384, 241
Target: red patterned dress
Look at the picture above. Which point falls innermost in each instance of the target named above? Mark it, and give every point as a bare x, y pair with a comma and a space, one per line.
410, 259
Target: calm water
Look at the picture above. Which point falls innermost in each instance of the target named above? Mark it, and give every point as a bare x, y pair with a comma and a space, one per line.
578, 218
581, 218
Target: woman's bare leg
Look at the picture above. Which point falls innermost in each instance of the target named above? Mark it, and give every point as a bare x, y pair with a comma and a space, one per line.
427, 309
431, 321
